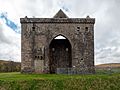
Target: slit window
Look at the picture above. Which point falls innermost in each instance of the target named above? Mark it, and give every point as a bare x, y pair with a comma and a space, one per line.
35, 56
41, 57
78, 27
33, 28
86, 28
38, 57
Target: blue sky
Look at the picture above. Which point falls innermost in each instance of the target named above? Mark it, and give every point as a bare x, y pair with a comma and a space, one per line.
107, 26
9, 23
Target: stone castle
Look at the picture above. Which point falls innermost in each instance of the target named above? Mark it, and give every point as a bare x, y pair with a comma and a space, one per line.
43, 51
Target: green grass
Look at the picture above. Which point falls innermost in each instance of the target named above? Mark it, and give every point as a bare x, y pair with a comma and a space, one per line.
18, 81
106, 71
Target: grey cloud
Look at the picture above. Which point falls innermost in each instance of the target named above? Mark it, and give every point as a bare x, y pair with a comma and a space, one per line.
3, 38
37, 7
9, 52
107, 26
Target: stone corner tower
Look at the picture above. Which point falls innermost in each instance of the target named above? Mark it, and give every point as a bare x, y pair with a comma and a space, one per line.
57, 45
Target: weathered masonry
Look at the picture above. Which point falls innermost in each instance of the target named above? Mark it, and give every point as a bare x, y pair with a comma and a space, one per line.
57, 45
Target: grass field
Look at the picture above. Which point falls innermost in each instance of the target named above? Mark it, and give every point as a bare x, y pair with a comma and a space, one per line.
17, 81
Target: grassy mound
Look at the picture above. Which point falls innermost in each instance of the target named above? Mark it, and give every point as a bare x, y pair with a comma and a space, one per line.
17, 81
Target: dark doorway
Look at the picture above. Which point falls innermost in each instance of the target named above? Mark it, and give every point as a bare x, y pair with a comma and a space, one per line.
60, 54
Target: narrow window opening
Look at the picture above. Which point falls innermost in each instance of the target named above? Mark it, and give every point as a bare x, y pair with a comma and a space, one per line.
78, 27
81, 58
33, 28
78, 30
41, 57
86, 28
38, 57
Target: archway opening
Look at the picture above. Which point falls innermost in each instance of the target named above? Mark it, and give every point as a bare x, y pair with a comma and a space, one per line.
60, 53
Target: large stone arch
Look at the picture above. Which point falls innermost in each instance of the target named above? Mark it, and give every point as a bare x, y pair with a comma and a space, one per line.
61, 34
60, 54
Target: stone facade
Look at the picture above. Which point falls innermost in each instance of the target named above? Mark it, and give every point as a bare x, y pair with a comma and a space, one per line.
42, 53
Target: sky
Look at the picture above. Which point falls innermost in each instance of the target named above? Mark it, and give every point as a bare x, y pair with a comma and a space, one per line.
106, 30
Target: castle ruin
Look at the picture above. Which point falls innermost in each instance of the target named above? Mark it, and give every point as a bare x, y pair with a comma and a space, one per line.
43, 52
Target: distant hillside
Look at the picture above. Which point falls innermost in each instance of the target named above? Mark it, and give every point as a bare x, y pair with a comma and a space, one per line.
109, 65
9, 66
